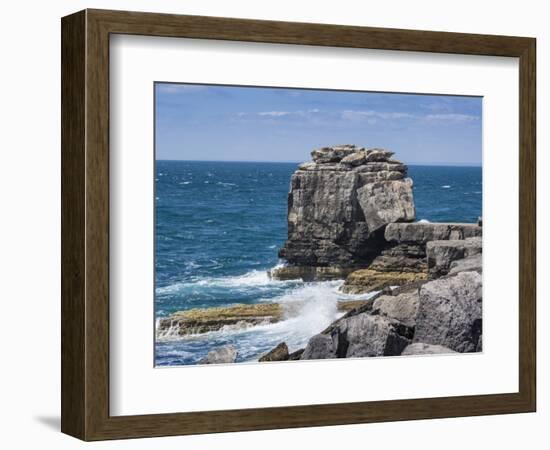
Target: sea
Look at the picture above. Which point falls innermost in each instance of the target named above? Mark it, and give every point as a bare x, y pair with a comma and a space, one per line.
219, 226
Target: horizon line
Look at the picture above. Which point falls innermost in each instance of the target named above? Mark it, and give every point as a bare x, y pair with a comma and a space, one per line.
436, 164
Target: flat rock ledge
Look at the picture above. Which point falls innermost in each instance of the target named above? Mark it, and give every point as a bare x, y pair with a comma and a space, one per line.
367, 280
204, 320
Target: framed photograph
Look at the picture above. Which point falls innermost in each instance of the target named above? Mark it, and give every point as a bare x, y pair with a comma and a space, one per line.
272, 225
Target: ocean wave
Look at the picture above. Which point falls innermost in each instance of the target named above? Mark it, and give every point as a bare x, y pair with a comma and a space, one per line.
254, 278
445, 186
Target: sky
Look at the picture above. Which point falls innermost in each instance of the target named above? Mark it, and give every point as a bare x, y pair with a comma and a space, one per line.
232, 123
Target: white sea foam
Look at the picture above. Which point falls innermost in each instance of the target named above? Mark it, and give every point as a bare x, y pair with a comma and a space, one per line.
445, 186
423, 221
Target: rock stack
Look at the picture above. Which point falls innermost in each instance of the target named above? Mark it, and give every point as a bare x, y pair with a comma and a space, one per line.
338, 207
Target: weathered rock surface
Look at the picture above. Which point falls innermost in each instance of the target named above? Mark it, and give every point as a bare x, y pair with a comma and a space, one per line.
441, 254
385, 202
403, 307
407, 243
360, 335
469, 264
423, 232
363, 281
279, 353
425, 349
309, 273
221, 355
338, 206
204, 320
449, 312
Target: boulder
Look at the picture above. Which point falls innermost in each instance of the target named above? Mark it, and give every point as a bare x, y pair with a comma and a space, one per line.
360, 335
367, 280
403, 307
441, 254
221, 355
469, 264
385, 202
366, 335
279, 353
450, 313
319, 346
425, 349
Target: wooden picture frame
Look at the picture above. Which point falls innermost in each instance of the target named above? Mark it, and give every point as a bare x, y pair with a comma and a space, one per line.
85, 224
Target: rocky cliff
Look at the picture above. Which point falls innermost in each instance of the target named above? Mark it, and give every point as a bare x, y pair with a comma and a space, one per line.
338, 207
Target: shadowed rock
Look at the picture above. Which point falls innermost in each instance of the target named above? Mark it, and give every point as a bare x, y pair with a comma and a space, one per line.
279, 353
441, 254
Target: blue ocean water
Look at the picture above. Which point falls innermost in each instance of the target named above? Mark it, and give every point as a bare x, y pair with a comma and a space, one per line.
218, 228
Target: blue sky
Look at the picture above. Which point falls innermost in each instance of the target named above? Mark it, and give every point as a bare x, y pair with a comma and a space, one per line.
221, 123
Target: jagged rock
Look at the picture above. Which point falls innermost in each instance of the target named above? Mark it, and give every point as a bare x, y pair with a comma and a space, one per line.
423, 232
469, 264
386, 201
403, 307
441, 254
319, 346
378, 155
366, 280
355, 159
279, 353
449, 312
221, 355
204, 320
334, 154
359, 336
425, 349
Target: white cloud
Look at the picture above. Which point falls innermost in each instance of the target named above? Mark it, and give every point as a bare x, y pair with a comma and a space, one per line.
274, 113
455, 118
371, 114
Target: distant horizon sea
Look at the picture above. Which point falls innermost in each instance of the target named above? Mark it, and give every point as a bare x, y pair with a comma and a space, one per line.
218, 229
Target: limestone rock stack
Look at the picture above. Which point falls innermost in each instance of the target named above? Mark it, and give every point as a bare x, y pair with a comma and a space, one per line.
338, 207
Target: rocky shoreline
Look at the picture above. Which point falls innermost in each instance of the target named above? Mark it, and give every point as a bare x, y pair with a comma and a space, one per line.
351, 216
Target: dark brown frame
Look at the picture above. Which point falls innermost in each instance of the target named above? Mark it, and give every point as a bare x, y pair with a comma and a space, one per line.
85, 224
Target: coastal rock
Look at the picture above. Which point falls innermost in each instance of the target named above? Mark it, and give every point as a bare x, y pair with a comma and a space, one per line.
309, 273
319, 346
279, 353
367, 335
449, 312
295, 356
386, 201
403, 307
358, 336
423, 232
221, 355
469, 264
204, 320
425, 349
406, 249
338, 206
366, 280
441, 254
334, 154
